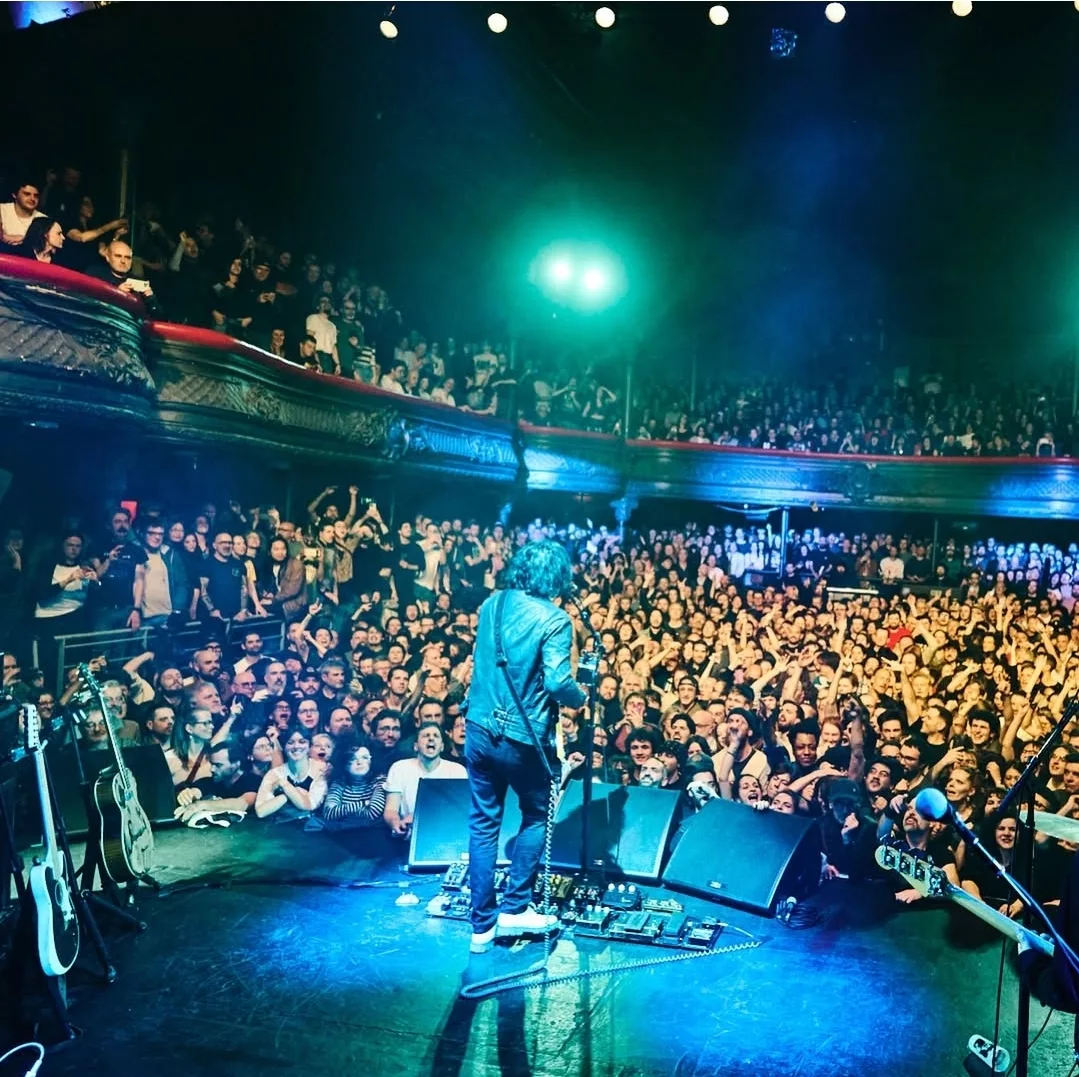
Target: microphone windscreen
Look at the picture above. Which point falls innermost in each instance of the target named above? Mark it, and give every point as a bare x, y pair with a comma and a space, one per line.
931, 803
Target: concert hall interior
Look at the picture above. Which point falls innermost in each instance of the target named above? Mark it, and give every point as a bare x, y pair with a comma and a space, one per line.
537, 540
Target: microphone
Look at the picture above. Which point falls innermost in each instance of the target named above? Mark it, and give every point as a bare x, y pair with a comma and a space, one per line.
933, 804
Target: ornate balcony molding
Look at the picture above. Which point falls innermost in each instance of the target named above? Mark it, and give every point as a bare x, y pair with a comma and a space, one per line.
70, 346
74, 349
219, 390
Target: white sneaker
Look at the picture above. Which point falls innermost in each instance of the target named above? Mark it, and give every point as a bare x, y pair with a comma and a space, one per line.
529, 922
481, 941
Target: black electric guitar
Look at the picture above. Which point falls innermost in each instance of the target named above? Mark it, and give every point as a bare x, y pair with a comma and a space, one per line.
49, 884
127, 842
932, 882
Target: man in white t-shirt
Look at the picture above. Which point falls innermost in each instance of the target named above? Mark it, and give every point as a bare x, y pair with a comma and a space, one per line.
892, 567
15, 216
403, 780
321, 327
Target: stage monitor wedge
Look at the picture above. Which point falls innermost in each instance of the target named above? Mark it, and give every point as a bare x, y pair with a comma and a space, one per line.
731, 853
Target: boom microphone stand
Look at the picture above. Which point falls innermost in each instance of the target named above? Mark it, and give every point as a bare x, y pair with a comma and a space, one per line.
587, 735
1024, 790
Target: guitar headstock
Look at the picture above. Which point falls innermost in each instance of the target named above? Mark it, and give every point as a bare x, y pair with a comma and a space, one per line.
88, 679
31, 727
928, 880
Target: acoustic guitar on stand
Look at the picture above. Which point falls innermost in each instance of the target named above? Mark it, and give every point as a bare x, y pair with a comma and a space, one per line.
127, 842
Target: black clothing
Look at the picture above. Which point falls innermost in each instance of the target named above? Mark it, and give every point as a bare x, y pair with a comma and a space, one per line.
225, 584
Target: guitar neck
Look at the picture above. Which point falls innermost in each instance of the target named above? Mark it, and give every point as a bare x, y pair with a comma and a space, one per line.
48, 825
1004, 924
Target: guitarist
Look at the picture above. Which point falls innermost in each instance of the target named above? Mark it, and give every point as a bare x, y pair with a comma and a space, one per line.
522, 675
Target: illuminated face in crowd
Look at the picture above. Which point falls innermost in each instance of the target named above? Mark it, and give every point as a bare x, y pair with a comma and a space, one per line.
307, 714
652, 773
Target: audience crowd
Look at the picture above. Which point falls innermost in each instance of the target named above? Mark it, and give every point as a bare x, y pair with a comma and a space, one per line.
869, 667
318, 315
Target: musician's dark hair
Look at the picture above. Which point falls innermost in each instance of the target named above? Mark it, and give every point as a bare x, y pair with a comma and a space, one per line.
541, 569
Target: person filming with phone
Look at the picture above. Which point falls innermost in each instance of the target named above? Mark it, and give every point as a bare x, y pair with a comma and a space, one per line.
116, 270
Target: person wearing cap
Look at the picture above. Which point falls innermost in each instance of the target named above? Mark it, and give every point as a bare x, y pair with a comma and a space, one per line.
740, 757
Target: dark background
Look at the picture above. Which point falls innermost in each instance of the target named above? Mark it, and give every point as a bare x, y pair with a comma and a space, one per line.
905, 170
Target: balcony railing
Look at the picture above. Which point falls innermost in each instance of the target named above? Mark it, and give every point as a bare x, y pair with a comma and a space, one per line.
73, 349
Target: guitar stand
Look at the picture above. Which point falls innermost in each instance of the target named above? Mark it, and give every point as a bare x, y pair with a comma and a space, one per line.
111, 900
24, 973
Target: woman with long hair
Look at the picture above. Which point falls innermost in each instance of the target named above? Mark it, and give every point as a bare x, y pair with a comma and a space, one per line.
188, 758
357, 797
298, 787
43, 239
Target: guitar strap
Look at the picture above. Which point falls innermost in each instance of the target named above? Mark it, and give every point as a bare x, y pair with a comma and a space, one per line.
502, 663
190, 779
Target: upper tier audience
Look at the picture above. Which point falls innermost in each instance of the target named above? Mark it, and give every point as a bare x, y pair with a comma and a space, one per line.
315, 314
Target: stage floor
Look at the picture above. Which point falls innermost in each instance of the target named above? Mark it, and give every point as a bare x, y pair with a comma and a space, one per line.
268, 975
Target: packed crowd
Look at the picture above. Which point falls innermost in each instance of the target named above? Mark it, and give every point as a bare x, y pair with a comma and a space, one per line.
315, 314
785, 692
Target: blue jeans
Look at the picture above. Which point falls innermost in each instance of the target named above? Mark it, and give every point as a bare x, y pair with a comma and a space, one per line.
495, 765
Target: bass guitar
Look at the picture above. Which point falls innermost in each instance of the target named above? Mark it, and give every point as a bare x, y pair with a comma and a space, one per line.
932, 882
127, 842
49, 883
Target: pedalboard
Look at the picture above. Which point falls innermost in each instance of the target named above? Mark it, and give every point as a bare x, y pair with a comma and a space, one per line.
618, 911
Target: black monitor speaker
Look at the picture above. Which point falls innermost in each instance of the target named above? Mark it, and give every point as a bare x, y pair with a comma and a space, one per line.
739, 856
440, 824
630, 828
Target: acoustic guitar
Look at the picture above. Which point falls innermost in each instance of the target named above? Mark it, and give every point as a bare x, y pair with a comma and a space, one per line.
49, 883
127, 842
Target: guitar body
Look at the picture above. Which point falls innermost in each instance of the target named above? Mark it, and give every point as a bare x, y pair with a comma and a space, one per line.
127, 842
57, 924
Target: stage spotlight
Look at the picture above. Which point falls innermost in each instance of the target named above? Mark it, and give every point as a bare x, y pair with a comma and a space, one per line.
962, 8
604, 18
835, 12
594, 279
561, 270
718, 14
388, 28
497, 22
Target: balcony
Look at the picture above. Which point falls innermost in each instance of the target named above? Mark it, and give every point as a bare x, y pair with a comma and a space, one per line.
75, 352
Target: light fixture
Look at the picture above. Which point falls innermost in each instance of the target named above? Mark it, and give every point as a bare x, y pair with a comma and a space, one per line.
561, 271
497, 22
604, 18
962, 8
388, 28
835, 12
594, 279
718, 14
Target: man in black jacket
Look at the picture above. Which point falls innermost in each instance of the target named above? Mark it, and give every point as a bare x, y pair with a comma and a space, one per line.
522, 675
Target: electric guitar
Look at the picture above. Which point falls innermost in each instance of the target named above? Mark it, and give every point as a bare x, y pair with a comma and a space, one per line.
932, 882
49, 884
127, 842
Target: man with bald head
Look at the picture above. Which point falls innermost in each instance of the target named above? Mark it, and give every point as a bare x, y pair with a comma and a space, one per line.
116, 270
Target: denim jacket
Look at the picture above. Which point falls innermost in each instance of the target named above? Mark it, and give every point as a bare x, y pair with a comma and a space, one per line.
536, 638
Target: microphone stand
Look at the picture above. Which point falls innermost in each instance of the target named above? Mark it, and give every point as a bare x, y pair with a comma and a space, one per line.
1023, 791
587, 735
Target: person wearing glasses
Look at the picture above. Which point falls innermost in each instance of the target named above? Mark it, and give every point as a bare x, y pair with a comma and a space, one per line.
189, 756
